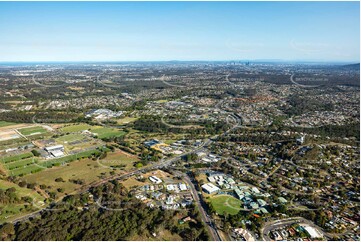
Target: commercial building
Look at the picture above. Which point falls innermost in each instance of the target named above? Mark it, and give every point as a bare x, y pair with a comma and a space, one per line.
210, 188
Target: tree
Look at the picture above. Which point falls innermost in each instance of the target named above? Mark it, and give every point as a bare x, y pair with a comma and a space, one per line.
35, 153
7, 230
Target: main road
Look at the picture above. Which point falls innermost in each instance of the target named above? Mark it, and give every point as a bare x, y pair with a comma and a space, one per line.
201, 206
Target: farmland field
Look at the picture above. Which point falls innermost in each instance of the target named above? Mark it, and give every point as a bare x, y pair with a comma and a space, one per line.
21, 163
25, 170
226, 203
16, 157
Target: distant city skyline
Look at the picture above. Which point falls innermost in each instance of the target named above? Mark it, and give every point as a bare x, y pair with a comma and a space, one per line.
184, 31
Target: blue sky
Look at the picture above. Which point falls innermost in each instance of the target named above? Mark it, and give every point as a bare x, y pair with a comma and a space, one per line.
145, 31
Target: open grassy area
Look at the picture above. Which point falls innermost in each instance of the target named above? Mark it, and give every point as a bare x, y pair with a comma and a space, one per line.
4, 123
10, 211
132, 182
86, 169
21, 191
104, 132
76, 128
126, 120
32, 131
119, 159
226, 203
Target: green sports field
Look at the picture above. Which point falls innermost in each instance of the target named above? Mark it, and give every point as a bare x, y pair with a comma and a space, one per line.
70, 138
107, 132
76, 128
4, 123
226, 203
32, 130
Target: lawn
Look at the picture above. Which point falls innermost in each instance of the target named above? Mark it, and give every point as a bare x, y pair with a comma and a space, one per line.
76, 128
104, 132
4, 123
226, 203
32, 131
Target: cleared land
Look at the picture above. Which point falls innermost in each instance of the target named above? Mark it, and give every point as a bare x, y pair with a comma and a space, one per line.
9, 135
226, 203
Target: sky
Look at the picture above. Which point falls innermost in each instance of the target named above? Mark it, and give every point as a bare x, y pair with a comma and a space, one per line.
161, 31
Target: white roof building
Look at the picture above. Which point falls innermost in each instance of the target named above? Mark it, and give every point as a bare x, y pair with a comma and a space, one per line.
182, 187
210, 188
155, 179
55, 147
312, 232
211, 179
57, 153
